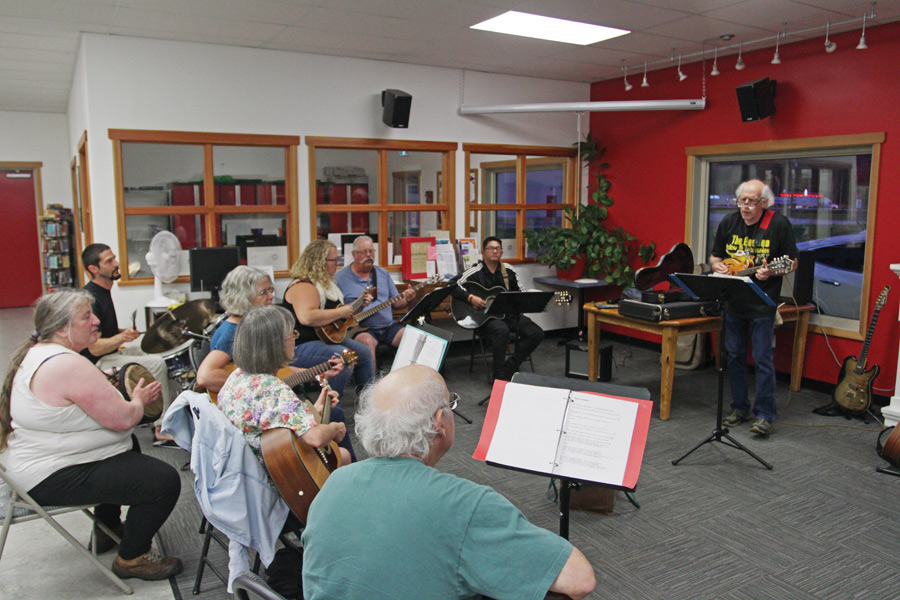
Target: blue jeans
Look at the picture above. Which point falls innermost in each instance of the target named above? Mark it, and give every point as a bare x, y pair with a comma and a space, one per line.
760, 332
310, 354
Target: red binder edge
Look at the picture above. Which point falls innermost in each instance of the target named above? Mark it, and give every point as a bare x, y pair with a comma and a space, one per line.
490, 420
638, 436
405, 258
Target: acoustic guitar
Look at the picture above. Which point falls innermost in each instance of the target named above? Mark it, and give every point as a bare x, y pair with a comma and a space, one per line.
468, 317
298, 470
292, 379
362, 316
854, 389
334, 333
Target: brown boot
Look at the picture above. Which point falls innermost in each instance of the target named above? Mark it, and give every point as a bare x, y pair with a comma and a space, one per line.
150, 566
104, 542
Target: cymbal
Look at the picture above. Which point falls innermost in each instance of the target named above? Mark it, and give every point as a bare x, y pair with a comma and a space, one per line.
167, 331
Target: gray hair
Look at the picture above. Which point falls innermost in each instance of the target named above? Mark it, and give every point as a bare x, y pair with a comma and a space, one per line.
766, 193
239, 289
359, 240
407, 427
260, 337
52, 312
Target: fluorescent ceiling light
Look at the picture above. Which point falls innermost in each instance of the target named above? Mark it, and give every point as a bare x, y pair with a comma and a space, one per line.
548, 28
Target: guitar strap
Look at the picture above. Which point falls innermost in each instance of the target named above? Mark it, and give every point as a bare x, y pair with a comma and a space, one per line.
763, 226
505, 276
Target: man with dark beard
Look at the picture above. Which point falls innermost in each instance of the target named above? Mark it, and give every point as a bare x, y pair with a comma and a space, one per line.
100, 263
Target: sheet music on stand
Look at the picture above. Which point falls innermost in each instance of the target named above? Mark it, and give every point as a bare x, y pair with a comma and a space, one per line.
519, 303
421, 347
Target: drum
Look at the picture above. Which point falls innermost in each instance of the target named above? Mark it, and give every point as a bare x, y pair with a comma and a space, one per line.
127, 378
178, 360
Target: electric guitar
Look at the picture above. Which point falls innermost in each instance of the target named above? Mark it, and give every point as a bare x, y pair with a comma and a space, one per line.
292, 379
334, 333
854, 389
360, 317
468, 317
298, 470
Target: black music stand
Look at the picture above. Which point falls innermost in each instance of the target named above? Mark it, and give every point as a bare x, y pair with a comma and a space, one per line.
566, 485
735, 290
518, 303
423, 307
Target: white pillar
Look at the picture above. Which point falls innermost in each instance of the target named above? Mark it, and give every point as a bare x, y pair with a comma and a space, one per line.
891, 413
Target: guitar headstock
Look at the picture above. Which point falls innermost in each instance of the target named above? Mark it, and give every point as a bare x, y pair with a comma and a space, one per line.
349, 357
882, 298
562, 298
435, 279
781, 265
323, 382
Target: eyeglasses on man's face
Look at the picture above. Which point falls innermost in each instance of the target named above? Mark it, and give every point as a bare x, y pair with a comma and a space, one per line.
369, 252
453, 402
751, 202
493, 248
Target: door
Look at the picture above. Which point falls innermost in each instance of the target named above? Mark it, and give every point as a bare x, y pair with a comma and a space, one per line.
19, 244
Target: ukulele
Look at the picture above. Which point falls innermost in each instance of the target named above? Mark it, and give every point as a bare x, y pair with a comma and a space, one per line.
854, 389
468, 317
298, 470
359, 318
334, 333
292, 379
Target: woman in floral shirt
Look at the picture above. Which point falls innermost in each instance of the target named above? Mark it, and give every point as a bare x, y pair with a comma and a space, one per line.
255, 399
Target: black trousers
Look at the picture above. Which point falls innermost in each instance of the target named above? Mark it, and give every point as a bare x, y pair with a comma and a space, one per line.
147, 485
530, 336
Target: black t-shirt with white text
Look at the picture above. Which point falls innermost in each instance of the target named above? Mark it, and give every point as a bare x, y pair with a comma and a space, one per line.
738, 241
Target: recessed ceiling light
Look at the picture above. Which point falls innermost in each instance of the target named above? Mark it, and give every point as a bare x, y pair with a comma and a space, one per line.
548, 28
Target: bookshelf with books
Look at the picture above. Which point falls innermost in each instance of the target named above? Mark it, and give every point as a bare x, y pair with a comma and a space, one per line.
57, 248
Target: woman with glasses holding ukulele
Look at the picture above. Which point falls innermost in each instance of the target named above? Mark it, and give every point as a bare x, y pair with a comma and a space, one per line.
316, 301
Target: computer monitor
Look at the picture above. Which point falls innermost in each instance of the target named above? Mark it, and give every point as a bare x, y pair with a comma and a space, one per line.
243, 241
209, 266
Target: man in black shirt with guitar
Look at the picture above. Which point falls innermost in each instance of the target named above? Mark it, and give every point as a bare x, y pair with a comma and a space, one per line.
475, 287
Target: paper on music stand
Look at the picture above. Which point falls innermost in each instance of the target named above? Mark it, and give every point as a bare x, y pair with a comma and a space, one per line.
579, 435
268, 256
420, 347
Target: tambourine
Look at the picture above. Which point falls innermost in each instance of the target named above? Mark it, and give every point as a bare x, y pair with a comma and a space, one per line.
126, 378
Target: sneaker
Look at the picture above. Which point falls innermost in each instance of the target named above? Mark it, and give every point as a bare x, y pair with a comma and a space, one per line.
150, 566
104, 542
736, 418
761, 427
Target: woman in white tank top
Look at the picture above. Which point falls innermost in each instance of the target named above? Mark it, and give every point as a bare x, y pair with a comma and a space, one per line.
66, 433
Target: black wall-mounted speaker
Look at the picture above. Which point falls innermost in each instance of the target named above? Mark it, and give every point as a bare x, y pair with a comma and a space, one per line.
396, 105
756, 99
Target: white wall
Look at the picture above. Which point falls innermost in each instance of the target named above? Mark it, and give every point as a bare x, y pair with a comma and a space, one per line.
39, 137
132, 83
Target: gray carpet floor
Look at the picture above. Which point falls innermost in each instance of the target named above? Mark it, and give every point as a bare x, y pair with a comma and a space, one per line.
821, 525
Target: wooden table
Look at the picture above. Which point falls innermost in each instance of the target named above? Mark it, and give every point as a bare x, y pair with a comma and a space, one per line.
670, 330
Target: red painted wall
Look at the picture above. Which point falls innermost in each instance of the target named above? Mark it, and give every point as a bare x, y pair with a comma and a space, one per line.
847, 92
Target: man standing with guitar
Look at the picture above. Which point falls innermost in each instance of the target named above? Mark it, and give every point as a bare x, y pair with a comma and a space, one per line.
381, 328
485, 280
755, 234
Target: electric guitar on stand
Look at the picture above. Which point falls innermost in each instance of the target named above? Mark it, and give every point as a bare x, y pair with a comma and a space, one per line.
854, 389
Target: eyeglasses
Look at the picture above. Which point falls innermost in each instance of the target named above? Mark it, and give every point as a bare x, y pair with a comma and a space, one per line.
369, 252
454, 401
266, 292
333, 260
292, 335
493, 249
748, 202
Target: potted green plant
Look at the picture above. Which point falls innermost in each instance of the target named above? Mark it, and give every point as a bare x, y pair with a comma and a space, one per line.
585, 238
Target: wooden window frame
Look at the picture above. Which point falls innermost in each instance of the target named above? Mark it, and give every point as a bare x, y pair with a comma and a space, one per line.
446, 207
520, 156
208, 210
697, 176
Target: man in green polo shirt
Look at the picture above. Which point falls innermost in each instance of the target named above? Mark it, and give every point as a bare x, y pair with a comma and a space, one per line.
393, 526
